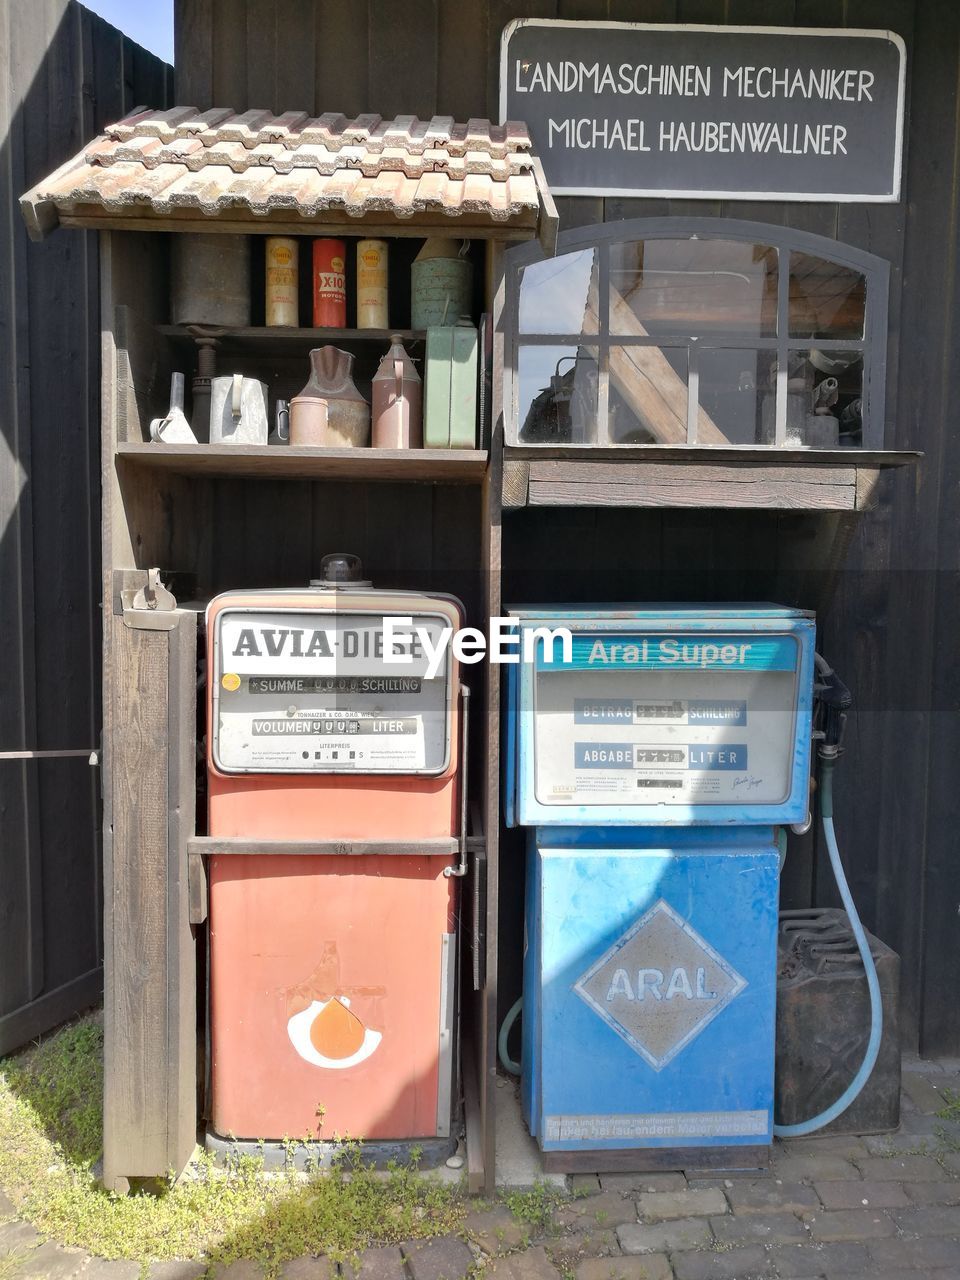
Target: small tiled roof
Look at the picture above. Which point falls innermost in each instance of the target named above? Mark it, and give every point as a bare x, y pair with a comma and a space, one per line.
183, 166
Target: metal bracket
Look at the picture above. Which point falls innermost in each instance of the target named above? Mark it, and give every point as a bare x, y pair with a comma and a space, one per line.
197, 887
149, 606
462, 865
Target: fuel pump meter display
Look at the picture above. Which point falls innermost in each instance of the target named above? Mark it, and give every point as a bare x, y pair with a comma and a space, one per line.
314, 693
640, 719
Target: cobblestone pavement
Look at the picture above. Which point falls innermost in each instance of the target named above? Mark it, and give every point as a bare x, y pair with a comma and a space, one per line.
834, 1208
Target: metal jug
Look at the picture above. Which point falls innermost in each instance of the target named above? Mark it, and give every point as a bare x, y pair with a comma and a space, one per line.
397, 412
174, 428
238, 410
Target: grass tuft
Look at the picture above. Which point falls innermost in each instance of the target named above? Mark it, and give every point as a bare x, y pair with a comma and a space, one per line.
536, 1206
51, 1135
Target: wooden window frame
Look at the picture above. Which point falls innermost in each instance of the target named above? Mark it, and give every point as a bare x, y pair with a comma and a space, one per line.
875, 270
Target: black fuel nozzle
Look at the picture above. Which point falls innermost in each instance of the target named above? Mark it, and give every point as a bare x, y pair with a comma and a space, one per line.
832, 701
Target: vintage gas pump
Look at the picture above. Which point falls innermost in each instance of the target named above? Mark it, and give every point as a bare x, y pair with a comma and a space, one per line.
652, 763
336, 786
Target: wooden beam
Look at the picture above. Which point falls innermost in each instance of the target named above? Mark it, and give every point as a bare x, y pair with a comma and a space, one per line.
219, 846
150, 1029
94, 218
302, 462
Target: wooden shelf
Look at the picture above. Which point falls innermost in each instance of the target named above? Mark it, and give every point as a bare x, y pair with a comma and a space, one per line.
423, 466
277, 340
691, 476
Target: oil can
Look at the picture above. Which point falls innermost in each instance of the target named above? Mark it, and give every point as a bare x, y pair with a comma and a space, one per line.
329, 284
372, 307
281, 282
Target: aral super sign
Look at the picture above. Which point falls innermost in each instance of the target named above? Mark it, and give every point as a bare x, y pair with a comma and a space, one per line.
635, 720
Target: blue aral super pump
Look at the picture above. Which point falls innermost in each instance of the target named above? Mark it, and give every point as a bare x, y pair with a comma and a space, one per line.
652, 762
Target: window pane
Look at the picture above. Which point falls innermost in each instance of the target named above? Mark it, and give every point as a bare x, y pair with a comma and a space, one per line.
648, 395
557, 401
560, 294
824, 401
738, 396
826, 299
833, 385
693, 286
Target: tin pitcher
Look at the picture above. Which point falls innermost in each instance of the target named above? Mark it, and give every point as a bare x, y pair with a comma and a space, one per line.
238, 410
397, 412
330, 410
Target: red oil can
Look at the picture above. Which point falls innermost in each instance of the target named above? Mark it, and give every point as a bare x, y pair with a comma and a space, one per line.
329, 284
332, 973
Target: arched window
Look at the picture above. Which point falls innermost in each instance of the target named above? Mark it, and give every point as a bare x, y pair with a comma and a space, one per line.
701, 331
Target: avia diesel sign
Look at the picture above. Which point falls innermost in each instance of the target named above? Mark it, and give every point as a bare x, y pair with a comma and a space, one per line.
751, 113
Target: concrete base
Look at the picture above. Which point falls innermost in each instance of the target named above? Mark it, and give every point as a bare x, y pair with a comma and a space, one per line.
519, 1159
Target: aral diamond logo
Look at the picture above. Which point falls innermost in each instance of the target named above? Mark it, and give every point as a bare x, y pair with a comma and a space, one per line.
659, 985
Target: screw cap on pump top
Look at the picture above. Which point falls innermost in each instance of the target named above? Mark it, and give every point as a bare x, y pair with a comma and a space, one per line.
342, 571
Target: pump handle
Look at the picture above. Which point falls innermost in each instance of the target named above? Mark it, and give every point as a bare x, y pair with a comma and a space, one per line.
462, 864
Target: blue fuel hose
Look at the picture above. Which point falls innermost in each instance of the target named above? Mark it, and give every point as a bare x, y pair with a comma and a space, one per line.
503, 1052
855, 1086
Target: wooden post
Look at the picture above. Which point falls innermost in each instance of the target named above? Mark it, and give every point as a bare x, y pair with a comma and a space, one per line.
150, 1011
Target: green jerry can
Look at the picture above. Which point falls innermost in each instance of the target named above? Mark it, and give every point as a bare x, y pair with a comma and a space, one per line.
450, 395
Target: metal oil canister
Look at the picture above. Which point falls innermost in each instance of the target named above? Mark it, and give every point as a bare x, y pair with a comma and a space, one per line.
823, 1023
329, 284
210, 280
441, 281
372, 307
281, 307
450, 400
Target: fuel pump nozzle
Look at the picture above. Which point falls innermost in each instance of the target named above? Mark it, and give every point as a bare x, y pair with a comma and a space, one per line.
832, 701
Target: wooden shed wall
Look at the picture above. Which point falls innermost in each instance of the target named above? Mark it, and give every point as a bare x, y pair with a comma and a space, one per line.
892, 618
64, 74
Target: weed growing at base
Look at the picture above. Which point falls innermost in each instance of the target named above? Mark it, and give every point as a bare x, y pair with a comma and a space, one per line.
51, 1134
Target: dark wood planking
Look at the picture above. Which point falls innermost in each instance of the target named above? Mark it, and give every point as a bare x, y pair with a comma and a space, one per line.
760, 13
709, 11
64, 432
228, 37
71, 75
500, 13
341, 39
819, 13
193, 53
583, 10
643, 10
50, 1009
264, 59
295, 84
403, 57
920, 801
21, 938
461, 75
579, 211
